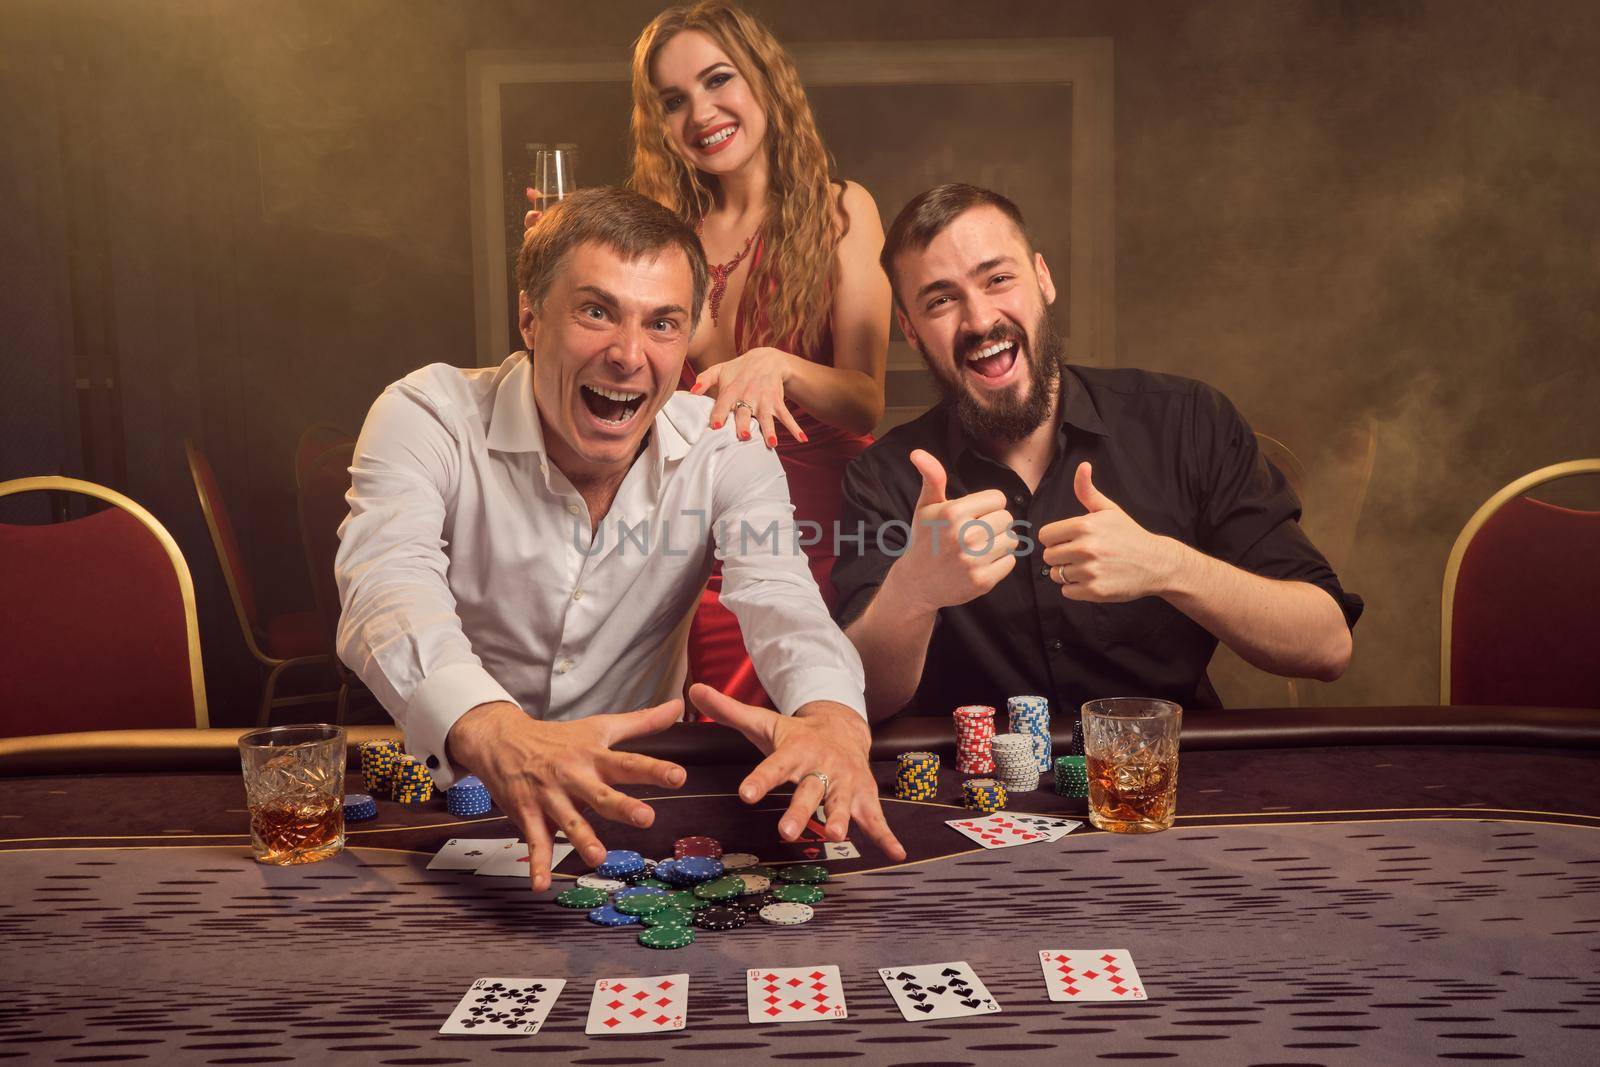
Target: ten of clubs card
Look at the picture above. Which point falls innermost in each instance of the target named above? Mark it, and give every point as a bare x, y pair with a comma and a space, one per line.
938, 991
639, 1005
504, 1006
1073, 974
795, 994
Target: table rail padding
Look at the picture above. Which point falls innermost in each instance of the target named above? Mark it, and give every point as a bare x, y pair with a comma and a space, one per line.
122, 751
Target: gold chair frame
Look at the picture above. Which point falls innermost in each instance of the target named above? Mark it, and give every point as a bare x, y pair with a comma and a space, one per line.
1452, 568
180, 568
276, 666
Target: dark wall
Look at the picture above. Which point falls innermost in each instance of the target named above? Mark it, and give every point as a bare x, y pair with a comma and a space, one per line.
252, 216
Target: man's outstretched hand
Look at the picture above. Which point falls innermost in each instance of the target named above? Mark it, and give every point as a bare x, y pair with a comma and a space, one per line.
821, 736
542, 774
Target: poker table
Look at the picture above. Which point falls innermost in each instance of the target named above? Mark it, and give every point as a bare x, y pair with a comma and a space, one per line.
1343, 886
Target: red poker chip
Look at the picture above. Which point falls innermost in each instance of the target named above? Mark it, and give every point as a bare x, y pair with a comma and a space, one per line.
700, 845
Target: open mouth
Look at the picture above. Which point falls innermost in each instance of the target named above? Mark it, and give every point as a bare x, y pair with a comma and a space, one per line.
993, 360
613, 407
717, 138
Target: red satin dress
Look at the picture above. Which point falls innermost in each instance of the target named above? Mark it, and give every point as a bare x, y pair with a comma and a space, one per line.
815, 471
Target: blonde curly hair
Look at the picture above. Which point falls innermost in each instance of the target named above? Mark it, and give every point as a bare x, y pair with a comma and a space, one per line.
805, 220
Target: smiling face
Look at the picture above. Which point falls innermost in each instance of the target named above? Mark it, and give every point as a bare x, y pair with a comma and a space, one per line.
974, 303
608, 343
713, 118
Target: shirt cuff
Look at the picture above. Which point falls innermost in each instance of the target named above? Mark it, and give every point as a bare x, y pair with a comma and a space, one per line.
827, 683
443, 697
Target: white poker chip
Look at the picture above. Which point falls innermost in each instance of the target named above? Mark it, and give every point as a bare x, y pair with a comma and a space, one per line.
735, 861
755, 883
787, 914
594, 881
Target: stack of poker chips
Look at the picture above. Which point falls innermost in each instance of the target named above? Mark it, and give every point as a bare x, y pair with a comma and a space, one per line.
379, 761
468, 797
974, 736
983, 794
413, 782
1072, 776
917, 776
1077, 736
1031, 716
1014, 761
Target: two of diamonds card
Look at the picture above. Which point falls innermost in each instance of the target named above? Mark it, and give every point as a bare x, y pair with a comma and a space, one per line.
938, 991
1084, 974
504, 1006
795, 994
639, 1005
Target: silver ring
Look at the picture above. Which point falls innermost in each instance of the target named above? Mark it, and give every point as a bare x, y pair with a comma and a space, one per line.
737, 404
819, 776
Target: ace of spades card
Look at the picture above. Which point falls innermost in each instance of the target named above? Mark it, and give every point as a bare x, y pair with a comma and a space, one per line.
504, 1006
938, 991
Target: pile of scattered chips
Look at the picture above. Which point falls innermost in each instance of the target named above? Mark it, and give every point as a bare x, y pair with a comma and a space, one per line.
468, 797
1015, 761
359, 806
1031, 716
974, 739
917, 776
984, 794
673, 898
1072, 776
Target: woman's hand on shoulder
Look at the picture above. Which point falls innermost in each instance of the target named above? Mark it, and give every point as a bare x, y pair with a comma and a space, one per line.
749, 387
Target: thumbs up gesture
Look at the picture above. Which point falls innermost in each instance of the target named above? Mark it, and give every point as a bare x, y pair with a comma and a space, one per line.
1103, 556
959, 549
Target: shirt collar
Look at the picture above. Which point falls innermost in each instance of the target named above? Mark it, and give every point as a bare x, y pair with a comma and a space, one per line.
1077, 410
514, 424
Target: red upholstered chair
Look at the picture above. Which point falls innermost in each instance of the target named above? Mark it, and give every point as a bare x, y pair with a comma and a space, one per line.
98, 628
324, 480
279, 642
1521, 613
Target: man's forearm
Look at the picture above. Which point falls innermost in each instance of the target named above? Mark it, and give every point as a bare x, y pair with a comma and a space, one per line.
1286, 627
892, 636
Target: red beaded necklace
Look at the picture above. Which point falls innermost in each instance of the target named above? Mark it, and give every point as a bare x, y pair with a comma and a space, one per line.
721, 271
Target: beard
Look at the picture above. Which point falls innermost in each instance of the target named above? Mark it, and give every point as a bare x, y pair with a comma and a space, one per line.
1013, 414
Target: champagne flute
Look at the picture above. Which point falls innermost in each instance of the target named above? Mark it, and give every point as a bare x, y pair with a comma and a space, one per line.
554, 174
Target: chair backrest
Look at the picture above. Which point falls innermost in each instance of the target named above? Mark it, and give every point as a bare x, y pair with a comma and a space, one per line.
1288, 464
99, 629
1520, 621
314, 441
321, 498
241, 591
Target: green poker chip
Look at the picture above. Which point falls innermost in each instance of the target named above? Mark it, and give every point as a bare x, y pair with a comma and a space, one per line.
805, 873
653, 883
725, 888
684, 900
667, 937
796, 893
640, 904
667, 916
760, 871
581, 897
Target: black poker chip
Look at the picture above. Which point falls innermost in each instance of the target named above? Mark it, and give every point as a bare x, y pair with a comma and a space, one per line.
719, 917
750, 903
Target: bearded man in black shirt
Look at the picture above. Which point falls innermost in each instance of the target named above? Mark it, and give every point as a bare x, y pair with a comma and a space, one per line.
1051, 529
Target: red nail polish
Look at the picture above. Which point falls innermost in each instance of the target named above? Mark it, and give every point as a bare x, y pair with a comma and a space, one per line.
745, 436
772, 440
717, 425
804, 439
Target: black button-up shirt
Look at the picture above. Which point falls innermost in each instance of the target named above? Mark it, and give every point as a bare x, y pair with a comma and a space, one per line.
1173, 453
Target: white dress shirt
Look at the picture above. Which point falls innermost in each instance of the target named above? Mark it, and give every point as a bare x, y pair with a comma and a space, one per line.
469, 572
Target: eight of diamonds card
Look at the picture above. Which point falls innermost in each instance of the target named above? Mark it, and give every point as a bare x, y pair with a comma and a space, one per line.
795, 994
639, 1005
938, 991
1090, 974
504, 1006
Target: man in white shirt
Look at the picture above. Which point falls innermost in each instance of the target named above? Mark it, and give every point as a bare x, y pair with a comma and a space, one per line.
524, 540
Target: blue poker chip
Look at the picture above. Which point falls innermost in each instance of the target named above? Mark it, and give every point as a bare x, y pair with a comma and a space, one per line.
359, 806
621, 863
468, 797
697, 869
610, 916
667, 871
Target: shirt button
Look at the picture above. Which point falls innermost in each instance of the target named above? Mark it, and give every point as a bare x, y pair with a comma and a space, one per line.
1017, 500
1055, 646
572, 509
577, 594
1044, 572
563, 666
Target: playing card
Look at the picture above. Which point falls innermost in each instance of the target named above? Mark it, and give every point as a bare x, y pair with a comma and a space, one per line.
1054, 829
938, 991
504, 1006
1073, 974
999, 830
512, 862
467, 853
795, 994
639, 1005
818, 851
